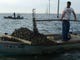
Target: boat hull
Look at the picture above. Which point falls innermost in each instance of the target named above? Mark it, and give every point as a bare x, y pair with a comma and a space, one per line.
20, 49
13, 18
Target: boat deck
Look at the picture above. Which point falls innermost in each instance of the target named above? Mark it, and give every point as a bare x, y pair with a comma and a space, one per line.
55, 38
58, 39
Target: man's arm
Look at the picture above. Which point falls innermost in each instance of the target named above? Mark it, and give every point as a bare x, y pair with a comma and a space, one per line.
63, 14
74, 15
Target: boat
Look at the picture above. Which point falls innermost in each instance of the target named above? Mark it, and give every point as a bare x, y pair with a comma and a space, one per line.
16, 46
14, 17
23, 47
10, 17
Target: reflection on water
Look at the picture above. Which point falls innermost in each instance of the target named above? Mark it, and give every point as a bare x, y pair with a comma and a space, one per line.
68, 55
17, 58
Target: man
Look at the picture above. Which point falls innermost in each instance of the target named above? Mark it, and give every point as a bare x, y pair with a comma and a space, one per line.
65, 21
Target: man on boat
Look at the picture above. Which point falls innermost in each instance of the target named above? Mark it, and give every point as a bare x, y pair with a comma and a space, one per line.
65, 21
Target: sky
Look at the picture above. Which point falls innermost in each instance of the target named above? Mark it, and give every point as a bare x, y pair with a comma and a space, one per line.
41, 6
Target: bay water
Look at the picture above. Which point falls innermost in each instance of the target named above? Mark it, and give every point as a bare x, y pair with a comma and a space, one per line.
9, 25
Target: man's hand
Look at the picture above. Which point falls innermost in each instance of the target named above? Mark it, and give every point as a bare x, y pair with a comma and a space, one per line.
75, 20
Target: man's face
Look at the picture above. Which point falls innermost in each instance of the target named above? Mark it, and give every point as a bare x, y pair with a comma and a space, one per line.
68, 4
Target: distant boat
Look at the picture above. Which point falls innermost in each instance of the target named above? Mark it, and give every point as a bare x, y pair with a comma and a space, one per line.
14, 17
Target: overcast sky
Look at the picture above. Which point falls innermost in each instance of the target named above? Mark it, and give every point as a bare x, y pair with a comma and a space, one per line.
41, 6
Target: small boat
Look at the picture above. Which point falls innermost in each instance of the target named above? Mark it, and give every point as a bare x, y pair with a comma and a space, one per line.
10, 17
14, 17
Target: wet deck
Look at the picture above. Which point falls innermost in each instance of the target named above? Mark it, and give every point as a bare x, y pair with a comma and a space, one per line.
57, 38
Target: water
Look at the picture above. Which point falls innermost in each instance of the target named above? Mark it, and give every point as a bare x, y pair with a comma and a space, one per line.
9, 25
70, 55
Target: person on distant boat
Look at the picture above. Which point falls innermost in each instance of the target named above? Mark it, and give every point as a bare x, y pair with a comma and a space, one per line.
65, 21
14, 14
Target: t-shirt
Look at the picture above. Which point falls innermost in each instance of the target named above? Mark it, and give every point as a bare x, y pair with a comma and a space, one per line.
68, 12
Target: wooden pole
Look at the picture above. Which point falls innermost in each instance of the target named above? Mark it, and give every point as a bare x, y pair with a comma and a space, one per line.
35, 30
58, 9
55, 20
49, 8
19, 39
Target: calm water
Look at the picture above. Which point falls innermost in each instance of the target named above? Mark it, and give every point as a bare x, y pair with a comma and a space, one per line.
9, 25
70, 55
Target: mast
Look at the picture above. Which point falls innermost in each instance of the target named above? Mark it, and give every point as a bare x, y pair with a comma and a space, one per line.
58, 9
49, 8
